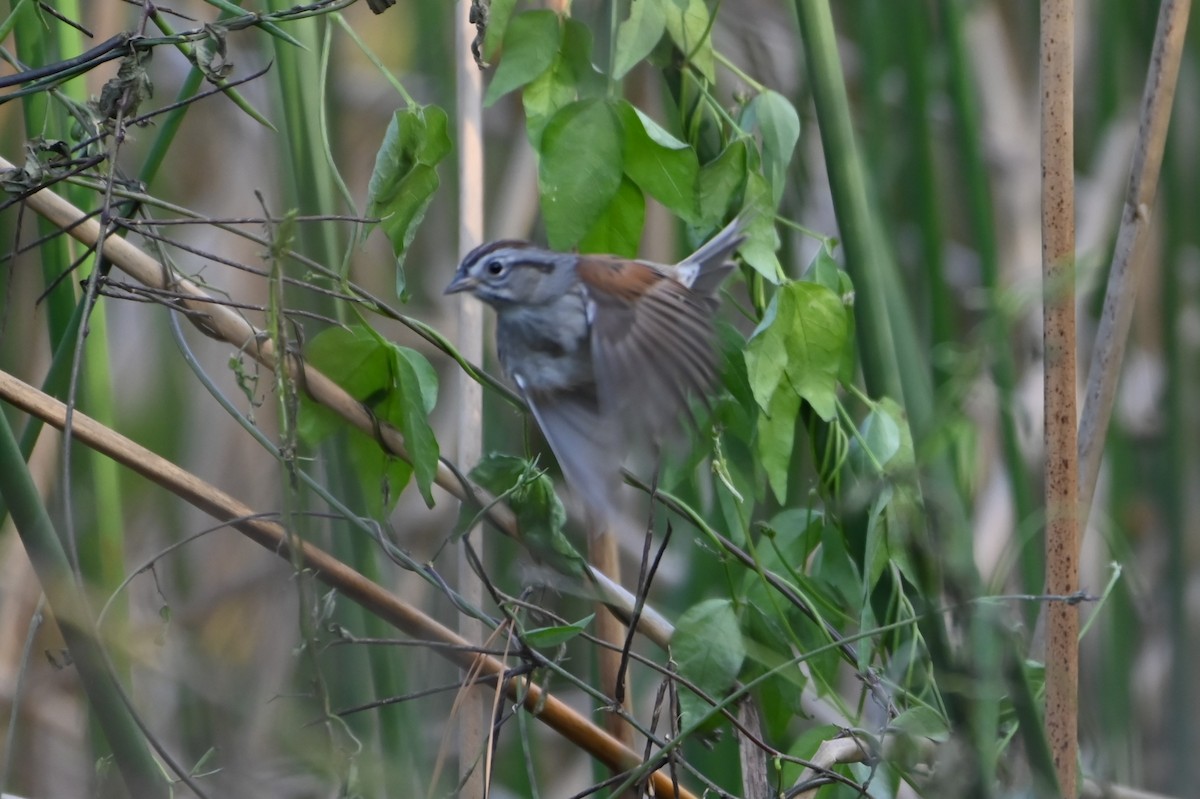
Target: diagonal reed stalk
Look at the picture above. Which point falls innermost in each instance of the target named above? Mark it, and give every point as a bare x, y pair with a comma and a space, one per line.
350, 583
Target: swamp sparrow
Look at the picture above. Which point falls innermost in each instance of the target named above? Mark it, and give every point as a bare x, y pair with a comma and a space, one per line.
605, 350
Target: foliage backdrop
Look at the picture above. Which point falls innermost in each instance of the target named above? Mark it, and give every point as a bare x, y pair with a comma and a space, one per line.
874, 448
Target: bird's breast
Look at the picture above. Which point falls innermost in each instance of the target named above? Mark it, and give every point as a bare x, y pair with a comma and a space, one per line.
547, 346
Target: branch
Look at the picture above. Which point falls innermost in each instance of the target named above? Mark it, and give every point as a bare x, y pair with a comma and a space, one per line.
1128, 256
224, 323
273, 537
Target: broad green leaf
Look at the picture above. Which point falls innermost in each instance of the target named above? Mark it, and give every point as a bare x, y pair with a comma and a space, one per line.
398, 385
546, 637
664, 167
405, 176
638, 35
801, 337
412, 388
531, 45
572, 77
777, 438
688, 23
499, 13
545, 97
880, 436
577, 55
382, 476
777, 122
824, 271
580, 170
352, 357
720, 182
619, 229
427, 379
762, 240
708, 647
540, 513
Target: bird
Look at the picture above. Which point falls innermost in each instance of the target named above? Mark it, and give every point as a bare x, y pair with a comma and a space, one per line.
605, 350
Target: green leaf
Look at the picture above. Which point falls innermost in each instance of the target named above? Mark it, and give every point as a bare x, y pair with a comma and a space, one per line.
547, 637
580, 170
880, 436
834, 567
414, 392
405, 176
531, 45
875, 548
777, 121
638, 35
777, 438
577, 56
399, 385
540, 513
762, 240
352, 357
924, 722
824, 269
663, 166
499, 13
572, 77
619, 229
721, 180
708, 647
801, 338
689, 25
545, 97
382, 476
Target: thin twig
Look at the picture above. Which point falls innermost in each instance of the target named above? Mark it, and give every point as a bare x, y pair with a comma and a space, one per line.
1129, 254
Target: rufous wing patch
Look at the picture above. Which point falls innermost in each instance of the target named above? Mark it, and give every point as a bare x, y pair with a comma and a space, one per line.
616, 278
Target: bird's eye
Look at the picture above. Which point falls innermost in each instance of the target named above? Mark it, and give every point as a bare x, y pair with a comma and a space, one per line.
494, 268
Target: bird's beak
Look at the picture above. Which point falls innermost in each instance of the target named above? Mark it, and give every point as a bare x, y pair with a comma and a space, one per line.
461, 282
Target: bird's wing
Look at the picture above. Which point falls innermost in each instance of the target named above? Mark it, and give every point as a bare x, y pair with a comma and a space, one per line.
585, 443
652, 345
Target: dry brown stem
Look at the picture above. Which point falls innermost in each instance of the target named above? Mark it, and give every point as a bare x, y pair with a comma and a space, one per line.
474, 729
1128, 256
349, 583
1062, 478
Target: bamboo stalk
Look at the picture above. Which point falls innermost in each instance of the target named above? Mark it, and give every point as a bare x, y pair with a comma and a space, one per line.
1062, 479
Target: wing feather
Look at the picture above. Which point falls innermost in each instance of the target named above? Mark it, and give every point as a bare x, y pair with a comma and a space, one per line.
652, 346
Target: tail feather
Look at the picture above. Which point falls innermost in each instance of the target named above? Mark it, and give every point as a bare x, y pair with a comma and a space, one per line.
705, 269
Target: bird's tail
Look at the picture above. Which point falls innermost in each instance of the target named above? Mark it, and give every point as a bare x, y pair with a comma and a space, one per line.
705, 269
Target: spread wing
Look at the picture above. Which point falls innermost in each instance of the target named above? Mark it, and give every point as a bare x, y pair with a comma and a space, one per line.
585, 444
652, 345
